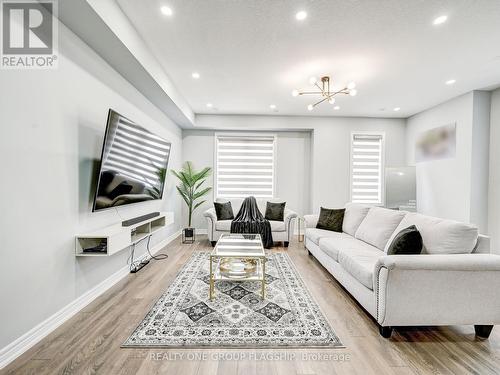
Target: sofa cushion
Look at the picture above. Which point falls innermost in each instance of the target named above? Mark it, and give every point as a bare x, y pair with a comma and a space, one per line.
442, 236
330, 219
223, 225
332, 246
360, 263
275, 211
235, 203
277, 226
353, 216
315, 234
407, 241
224, 211
379, 225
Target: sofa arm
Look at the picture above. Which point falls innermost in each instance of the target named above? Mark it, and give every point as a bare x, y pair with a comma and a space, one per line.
311, 220
210, 213
211, 217
445, 262
451, 289
288, 217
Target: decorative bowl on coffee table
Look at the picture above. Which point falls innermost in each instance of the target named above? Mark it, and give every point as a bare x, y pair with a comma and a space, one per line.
238, 257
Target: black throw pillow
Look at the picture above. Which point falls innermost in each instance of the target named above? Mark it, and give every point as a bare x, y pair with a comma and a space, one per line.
275, 211
331, 219
408, 241
224, 211
122, 188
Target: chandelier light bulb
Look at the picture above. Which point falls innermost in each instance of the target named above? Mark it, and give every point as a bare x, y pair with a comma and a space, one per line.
326, 91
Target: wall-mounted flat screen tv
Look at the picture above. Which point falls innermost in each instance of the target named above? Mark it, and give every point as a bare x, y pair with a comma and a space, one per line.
133, 164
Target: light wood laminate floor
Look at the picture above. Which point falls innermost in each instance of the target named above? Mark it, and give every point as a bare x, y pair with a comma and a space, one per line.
89, 343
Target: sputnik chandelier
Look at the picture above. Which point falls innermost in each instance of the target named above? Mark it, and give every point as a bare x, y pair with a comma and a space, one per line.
324, 91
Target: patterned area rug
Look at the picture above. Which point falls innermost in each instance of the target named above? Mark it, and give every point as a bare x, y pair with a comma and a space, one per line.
237, 316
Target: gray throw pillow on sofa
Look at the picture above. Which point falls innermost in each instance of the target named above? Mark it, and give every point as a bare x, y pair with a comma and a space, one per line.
408, 241
331, 219
275, 211
224, 211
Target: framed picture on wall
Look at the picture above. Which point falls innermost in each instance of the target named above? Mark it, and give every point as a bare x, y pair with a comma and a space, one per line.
437, 143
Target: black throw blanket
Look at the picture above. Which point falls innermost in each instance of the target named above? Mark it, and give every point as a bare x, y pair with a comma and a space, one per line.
250, 220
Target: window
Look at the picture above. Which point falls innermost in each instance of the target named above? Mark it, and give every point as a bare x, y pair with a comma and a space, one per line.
244, 166
367, 162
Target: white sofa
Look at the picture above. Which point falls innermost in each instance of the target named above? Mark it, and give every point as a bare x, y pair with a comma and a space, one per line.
281, 230
455, 281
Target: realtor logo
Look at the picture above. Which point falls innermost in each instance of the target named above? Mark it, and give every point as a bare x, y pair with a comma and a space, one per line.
28, 34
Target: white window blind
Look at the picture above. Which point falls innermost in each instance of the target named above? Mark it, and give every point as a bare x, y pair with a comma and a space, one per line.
245, 166
366, 168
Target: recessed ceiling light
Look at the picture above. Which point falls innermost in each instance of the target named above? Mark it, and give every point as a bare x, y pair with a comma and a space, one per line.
166, 11
195, 75
336, 107
439, 20
301, 15
210, 105
272, 106
451, 81
396, 109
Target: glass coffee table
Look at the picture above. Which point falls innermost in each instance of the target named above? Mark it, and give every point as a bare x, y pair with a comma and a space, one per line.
238, 257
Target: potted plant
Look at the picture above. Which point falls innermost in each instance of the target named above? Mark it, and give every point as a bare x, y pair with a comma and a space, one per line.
191, 190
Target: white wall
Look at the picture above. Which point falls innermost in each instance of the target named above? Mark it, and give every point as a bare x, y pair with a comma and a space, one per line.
53, 124
494, 169
330, 147
292, 167
480, 159
454, 188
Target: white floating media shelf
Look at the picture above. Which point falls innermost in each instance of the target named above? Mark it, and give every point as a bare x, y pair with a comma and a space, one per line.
118, 237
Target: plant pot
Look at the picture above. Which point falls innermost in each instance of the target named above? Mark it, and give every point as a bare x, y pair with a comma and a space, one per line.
188, 235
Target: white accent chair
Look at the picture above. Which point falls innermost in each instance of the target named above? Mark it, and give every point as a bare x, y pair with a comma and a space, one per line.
282, 231
455, 281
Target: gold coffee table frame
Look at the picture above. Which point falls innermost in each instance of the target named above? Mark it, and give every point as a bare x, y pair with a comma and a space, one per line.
238, 246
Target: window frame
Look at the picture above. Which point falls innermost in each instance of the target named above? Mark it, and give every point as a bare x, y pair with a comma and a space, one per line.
245, 135
380, 134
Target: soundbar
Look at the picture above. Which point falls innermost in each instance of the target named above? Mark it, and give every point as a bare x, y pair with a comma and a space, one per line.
138, 219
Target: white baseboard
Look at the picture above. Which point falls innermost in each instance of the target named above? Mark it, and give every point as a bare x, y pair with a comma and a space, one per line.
37, 333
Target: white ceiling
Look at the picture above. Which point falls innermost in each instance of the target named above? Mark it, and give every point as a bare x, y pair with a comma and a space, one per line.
253, 53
